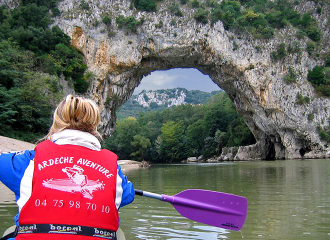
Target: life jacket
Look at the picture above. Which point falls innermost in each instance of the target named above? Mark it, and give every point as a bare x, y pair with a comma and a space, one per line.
71, 185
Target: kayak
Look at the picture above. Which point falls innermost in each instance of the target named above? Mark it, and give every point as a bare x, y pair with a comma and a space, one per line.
120, 233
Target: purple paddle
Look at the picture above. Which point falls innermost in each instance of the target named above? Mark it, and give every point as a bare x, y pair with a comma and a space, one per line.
217, 209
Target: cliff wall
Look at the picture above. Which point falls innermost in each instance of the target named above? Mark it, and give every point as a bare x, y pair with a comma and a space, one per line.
120, 58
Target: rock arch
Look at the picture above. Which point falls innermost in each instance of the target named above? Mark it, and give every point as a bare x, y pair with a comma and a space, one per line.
251, 79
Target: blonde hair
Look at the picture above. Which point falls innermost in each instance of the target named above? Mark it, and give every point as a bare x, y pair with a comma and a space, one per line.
76, 113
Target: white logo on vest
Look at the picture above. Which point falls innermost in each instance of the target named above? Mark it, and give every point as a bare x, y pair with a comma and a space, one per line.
77, 182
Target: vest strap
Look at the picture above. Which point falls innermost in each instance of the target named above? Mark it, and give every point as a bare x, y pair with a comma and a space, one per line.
67, 229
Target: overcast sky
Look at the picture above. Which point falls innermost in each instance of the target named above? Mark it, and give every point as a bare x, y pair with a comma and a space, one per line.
189, 78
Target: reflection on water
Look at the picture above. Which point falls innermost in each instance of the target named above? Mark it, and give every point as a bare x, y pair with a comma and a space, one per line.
8, 208
287, 200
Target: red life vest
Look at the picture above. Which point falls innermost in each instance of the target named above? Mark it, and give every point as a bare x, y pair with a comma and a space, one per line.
71, 185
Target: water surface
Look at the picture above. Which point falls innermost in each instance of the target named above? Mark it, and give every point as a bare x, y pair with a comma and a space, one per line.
287, 200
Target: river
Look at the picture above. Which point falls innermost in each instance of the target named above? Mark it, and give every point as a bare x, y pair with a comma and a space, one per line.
287, 200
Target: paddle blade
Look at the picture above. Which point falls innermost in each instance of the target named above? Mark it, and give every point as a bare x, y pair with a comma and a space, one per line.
213, 208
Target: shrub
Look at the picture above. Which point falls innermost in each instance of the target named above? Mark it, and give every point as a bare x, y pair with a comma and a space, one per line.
160, 24
146, 5
311, 46
174, 9
228, 12
310, 117
201, 15
291, 77
294, 47
84, 5
280, 52
301, 99
316, 75
300, 34
324, 134
128, 22
327, 61
96, 23
106, 20
313, 33
323, 89
195, 4
235, 46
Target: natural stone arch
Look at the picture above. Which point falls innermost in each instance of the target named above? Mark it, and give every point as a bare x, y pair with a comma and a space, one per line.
251, 79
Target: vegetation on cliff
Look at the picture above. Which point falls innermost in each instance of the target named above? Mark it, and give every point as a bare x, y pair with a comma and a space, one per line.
179, 132
260, 18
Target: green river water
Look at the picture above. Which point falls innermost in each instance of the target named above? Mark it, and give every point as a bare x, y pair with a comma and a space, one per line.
288, 200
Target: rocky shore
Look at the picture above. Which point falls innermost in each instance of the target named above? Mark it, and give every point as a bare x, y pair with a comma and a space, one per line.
242, 153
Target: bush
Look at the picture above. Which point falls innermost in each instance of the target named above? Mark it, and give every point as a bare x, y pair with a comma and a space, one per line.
106, 20
310, 117
316, 75
228, 12
302, 100
174, 9
294, 48
311, 46
195, 3
324, 134
280, 52
201, 15
84, 5
327, 61
313, 33
261, 17
291, 77
146, 5
128, 22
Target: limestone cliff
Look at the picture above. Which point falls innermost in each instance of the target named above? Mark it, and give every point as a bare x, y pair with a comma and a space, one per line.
120, 58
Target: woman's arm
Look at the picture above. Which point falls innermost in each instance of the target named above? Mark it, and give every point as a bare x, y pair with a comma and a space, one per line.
125, 190
12, 168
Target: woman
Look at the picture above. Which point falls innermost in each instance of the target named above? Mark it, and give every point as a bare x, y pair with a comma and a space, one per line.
67, 187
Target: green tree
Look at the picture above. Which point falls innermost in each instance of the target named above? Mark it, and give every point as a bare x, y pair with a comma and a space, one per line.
173, 144
221, 139
120, 141
196, 133
141, 144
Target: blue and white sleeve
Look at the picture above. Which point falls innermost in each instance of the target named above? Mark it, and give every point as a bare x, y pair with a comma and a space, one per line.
12, 168
125, 191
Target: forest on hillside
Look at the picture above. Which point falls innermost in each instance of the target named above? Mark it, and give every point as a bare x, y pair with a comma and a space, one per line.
33, 59
176, 133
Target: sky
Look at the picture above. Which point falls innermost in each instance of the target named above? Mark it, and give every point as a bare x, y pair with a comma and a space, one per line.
189, 78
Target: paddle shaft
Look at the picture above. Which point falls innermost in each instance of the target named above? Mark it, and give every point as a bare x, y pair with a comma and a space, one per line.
148, 194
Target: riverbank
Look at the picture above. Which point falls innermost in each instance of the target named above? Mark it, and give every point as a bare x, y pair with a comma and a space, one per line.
10, 144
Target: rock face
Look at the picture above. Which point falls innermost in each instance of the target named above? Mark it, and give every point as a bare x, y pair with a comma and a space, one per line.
120, 58
146, 98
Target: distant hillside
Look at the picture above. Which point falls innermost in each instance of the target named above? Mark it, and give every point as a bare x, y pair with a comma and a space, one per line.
161, 99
